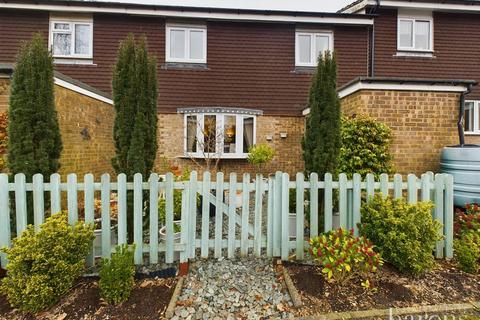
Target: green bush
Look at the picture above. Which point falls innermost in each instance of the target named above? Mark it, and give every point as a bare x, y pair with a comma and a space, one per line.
260, 154
343, 256
404, 233
365, 147
467, 252
43, 266
117, 275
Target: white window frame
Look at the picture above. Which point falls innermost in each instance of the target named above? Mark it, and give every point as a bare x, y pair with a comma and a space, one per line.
476, 117
239, 154
313, 35
72, 23
414, 19
187, 29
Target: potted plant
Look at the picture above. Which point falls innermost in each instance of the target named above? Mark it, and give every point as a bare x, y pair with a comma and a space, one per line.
260, 155
177, 215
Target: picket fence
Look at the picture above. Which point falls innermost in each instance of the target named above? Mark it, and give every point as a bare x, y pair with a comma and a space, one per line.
251, 216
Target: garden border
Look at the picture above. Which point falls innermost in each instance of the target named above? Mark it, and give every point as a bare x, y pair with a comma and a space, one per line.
169, 313
439, 308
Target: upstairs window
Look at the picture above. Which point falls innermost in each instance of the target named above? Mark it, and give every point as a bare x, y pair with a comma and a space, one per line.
472, 117
71, 39
415, 33
310, 45
186, 44
221, 134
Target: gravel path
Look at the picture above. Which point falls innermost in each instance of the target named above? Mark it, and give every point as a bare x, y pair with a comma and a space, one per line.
233, 289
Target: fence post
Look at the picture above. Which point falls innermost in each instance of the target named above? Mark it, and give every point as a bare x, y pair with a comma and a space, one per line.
270, 216
342, 180
20, 202
257, 238
192, 213
122, 208
72, 198
285, 241
357, 201
38, 201
169, 199
300, 194
384, 185
412, 188
277, 214
219, 215
397, 186
55, 203
314, 205
89, 210
245, 214
105, 199
425, 181
439, 206
448, 216
328, 203
370, 182
184, 236
137, 217
232, 192
205, 214
153, 184
4, 217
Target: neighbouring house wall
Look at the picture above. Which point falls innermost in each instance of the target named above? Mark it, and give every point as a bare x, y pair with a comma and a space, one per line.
75, 113
422, 124
249, 64
288, 150
456, 47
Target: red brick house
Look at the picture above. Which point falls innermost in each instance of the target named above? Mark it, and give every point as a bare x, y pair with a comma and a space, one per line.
249, 70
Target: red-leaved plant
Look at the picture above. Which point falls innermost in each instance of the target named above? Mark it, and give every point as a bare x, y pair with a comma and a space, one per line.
468, 220
342, 256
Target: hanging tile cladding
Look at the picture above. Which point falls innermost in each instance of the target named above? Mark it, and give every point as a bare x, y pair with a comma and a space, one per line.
249, 64
456, 49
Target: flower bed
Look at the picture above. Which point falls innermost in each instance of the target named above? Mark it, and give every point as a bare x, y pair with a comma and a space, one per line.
84, 302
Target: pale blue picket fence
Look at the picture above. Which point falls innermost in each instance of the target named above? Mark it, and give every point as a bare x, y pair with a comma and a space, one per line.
251, 216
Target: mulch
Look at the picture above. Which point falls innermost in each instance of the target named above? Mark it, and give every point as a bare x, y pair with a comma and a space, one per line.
149, 300
445, 284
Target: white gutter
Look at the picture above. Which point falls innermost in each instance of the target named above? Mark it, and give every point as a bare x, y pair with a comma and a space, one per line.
191, 14
85, 92
415, 5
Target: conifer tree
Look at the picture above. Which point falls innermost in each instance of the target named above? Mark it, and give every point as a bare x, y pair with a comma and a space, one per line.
135, 98
34, 144
321, 142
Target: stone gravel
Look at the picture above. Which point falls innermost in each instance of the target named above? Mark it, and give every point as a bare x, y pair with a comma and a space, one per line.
245, 288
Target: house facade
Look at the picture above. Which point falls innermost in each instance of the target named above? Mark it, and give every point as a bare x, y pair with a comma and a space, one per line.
246, 73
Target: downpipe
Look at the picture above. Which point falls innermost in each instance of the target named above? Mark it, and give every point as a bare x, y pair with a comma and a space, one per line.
461, 130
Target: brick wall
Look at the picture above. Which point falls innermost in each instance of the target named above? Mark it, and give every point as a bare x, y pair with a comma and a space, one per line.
288, 150
77, 112
422, 124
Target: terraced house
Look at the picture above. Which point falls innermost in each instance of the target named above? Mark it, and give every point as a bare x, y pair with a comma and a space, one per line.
411, 64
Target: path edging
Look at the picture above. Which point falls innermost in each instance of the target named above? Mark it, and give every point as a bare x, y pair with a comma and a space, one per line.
297, 301
440, 308
169, 313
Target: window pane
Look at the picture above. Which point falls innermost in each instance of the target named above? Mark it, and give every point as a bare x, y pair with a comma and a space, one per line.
406, 33
191, 133
82, 39
61, 26
196, 44
321, 45
469, 116
210, 134
422, 35
247, 134
62, 44
230, 134
177, 44
304, 48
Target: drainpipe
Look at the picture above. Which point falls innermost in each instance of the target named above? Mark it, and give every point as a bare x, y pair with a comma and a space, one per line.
372, 41
461, 132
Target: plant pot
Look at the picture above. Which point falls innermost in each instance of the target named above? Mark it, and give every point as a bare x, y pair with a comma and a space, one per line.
97, 242
176, 237
292, 225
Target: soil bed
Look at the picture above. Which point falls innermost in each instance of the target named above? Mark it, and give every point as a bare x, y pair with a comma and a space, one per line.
149, 299
445, 284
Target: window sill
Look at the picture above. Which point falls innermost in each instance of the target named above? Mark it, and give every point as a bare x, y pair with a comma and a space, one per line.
223, 157
415, 54
184, 66
74, 61
304, 70
474, 133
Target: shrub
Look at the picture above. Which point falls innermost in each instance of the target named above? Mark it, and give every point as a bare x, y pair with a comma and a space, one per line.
365, 147
260, 154
3, 139
43, 266
117, 275
466, 222
343, 256
404, 233
467, 252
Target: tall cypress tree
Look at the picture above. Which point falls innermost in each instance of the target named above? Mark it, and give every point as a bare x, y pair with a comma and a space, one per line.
321, 142
135, 98
34, 144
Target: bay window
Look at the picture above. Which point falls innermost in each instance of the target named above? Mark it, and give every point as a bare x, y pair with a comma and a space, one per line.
472, 117
222, 134
71, 38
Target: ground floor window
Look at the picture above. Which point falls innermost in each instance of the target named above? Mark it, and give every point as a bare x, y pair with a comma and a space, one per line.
472, 117
228, 133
